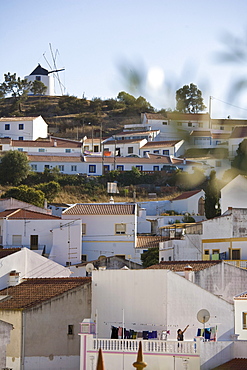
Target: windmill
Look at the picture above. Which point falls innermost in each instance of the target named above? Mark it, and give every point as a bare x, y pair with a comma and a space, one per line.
48, 77
54, 69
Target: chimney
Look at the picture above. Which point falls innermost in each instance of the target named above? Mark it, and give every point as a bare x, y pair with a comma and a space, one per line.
111, 200
184, 161
189, 273
55, 143
14, 278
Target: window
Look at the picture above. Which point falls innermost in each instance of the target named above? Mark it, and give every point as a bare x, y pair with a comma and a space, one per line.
206, 251
20, 149
179, 123
156, 152
92, 168
235, 254
83, 231
17, 240
189, 124
245, 320
21, 126
120, 228
38, 78
166, 152
46, 166
106, 168
120, 168
34, 167
7, 126
165, 123
21, 138
86, 147
41, 150
222, 128
96, 148
139, 168
215, 251
145, 153
70, 329
73, 168
130, 150
218, 164
84, 258
67, 150
61, 167
156, 168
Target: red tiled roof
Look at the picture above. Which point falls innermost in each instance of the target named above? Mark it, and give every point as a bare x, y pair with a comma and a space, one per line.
154, 116
54, 158
220, 135
180, 265
186, 194
200, 133
235, 364
160, 144
6, 252
125, 141
188, 116
126, 133
53, 142
10, 119
149, 241
100, 209
34, 291
153, 159
19, 213
239, 132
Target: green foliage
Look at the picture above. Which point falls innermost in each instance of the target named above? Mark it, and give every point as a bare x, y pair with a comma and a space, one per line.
14, 86
132, 104
26, 194
71, 104
212, 195
189, 99
150, 257
240, 160
50, 189
38, 88
188, 219
14, 167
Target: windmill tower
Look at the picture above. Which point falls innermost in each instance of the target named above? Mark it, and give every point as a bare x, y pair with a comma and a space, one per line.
47, 77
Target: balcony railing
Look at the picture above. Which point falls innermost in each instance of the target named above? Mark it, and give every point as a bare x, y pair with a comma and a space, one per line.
148, 346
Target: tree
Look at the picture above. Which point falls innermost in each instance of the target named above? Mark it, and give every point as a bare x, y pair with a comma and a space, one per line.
189, 99
14, 167
150, 257
50, 189
240, 160
38, 88
26, 194
14, 86
212, 195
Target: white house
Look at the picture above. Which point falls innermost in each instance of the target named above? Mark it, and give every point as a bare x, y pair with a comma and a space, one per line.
189, 202
23, 128
69, 164
52, 145
172, 148
234, 194
25, 263
5, 330
155, 303
45, 313
240, 305
12, 203
126, 147
107, 229
58, 239
238, 134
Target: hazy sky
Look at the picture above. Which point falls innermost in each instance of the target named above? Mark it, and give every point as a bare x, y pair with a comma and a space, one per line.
171, 43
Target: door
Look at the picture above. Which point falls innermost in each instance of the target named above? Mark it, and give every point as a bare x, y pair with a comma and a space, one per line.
34, 242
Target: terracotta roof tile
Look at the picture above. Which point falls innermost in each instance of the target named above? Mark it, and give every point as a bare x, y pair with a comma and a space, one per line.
53, 142
160, 144
100, 209
7, 252
149, 241
186, 195
154, 116
34, 291
200, 133
235, 364
10, 119
188, 116
125, 141
180, 265
19, 213
239, 132
54, 158
127, 133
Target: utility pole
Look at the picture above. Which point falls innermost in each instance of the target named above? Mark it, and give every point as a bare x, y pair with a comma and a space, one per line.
210, 99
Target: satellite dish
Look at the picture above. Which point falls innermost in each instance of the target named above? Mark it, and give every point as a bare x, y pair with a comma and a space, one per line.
89, 267
203, 316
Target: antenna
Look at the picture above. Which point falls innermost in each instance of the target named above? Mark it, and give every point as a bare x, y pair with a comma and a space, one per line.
89, 268
203, 316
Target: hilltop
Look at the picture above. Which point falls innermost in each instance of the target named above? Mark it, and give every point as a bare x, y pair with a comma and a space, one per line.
69, 116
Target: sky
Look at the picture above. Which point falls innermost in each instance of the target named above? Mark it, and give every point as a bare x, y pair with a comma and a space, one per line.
100, 43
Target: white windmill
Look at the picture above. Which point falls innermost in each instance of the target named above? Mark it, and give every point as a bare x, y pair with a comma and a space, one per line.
48, 77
